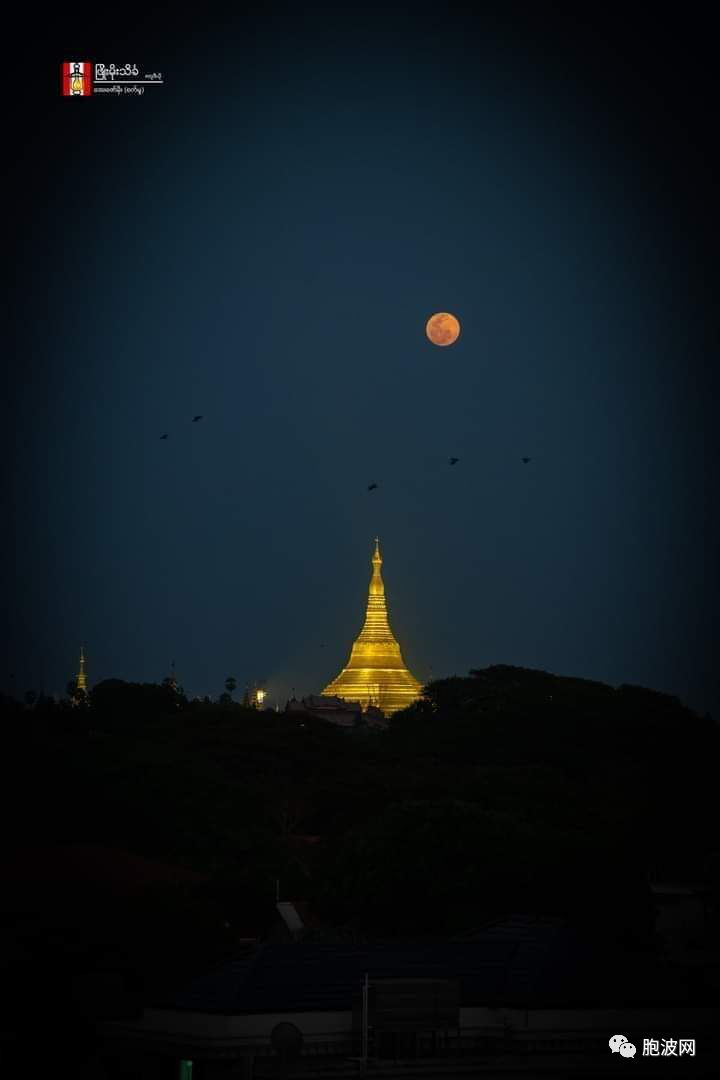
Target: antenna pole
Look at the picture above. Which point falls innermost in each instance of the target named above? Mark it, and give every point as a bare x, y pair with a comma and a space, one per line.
366, 995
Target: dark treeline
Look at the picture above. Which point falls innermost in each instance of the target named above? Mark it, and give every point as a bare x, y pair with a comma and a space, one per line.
509, 791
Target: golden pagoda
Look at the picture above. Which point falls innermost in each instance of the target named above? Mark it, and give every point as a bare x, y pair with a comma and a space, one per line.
81, 676
78, 687
376, 674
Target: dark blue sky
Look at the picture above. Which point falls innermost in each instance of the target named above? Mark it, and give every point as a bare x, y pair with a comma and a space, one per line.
261, 241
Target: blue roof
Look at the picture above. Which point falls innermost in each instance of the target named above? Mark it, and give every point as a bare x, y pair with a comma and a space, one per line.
538, 967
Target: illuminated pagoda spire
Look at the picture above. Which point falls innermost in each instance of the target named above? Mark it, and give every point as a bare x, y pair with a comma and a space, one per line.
376, 674
81, 676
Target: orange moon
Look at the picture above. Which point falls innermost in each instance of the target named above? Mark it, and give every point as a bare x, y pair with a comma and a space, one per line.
442, 328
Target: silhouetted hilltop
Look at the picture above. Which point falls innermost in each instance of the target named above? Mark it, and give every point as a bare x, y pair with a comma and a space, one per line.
523, 715
512, 689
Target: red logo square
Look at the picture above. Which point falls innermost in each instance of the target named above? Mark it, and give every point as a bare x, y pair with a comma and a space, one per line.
77, 78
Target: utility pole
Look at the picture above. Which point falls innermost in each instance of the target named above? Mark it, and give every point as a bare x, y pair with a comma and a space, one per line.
366, 995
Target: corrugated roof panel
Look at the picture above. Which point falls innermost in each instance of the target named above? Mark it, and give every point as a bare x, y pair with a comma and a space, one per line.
539, 967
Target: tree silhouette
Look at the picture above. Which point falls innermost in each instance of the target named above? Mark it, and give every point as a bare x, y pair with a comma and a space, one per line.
76, 696
508, 790
135, 700
230, 685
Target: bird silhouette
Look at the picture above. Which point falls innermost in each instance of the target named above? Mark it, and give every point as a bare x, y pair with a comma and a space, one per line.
163, 436
196, 418
454, 460
371, 487
525, 460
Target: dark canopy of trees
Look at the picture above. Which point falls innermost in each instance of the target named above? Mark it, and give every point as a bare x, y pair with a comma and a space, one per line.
508, 791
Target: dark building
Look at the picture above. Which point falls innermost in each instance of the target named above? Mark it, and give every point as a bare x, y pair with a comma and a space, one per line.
519, 993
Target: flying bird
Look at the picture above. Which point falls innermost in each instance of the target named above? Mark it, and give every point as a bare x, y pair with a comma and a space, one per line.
525, 460
371, 487
163, 436
196, 418
454, 460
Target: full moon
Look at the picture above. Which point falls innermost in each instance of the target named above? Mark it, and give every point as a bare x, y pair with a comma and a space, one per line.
442, 328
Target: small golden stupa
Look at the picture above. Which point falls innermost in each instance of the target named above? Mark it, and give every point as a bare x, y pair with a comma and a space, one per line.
376, 674
81, 676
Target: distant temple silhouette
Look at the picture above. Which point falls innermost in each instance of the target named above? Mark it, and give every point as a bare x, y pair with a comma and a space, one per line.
171, 679
78, 687
81, 675
375, 674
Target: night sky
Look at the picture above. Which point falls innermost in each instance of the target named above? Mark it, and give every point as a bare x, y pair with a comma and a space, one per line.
261, 241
